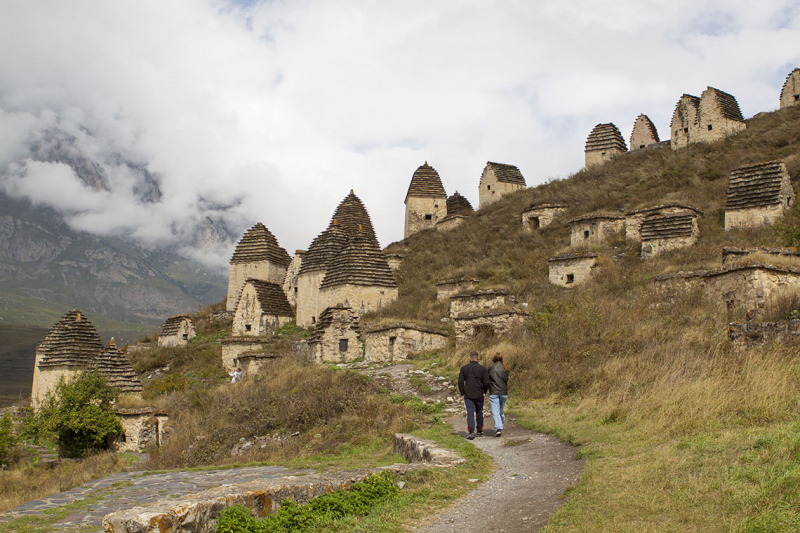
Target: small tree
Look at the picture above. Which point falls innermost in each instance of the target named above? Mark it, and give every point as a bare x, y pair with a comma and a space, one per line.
80, 414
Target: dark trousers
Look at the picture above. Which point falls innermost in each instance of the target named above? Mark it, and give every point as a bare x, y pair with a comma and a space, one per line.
474, 410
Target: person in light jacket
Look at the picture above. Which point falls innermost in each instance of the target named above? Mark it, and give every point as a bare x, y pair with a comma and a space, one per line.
498, 392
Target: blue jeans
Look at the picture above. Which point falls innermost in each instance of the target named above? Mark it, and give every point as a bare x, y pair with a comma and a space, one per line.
474, 411
498, 403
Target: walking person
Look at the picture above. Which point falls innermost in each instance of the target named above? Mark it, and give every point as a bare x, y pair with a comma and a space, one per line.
498, 392
473, 382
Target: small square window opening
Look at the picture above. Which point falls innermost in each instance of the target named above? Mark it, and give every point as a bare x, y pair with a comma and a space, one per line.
570, 278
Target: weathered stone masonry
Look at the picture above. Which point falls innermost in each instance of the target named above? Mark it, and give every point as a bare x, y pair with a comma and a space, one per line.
663, 233
426, 201
262, 309
257, 256
634, 219
604, 143
571, 270
732, 255
541, 215
399, 341
176, 331
644, 133
790, 93
745, 335
497, 180
594, 229
713, 116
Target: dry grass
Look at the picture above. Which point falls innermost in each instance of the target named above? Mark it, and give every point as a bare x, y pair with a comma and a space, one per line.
27, 481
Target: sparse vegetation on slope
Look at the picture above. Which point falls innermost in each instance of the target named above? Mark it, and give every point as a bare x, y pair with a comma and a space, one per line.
680, 433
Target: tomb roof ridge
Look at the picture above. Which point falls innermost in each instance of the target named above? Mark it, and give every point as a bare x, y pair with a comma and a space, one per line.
480, 292
574, 255
458, 205
172, 324
605, 136
505, 172
259, 244
756, 185
323, 249
786, 82
726, 102
727, 269
426, 183
271, 298
360, 262
666, 227
546, 206
490, 312
72, 341
374, 328
593, 216
664, 206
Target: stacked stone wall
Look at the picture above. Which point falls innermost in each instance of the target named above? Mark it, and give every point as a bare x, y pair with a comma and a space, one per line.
656, 247
398, 343
290, 279
790, 94
361, 298
496, 324
181, 337
241, 272
447, 288
754, 217
634, 219
599, 230
540, 217
744, 335
419, 209
142, 428
47, 379
308, 297
233, 347
250, 313
478, 301
492, 190
732, 255
450, 222
743, 288
571, 271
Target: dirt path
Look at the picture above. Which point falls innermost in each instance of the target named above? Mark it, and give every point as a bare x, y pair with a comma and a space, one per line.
533, 469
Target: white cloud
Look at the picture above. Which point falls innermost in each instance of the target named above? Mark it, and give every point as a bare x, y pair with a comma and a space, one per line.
280, 108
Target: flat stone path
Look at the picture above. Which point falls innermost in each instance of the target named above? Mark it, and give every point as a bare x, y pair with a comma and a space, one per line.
130, 489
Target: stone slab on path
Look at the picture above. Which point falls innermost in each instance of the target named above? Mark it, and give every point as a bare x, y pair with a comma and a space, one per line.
131, 489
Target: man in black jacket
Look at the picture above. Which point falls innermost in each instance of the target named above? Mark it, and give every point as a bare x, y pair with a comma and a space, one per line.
473, 382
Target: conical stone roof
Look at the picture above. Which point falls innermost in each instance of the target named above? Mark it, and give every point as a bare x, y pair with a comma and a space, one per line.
426, 183
458, 205
361, 262
115, 367
605, 137
259, 244
350, 217
73, 341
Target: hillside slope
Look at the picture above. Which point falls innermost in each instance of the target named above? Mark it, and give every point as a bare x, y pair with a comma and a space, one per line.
681, 433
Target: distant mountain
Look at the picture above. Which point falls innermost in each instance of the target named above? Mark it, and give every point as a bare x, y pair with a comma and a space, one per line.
47, 268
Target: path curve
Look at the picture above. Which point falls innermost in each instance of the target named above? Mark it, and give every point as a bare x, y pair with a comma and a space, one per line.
533, 469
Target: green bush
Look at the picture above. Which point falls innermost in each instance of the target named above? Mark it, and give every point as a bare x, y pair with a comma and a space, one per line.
7, 438
79, 414
360, 501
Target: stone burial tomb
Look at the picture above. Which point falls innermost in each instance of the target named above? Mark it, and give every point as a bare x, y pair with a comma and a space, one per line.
604, 143
644, 133
758, 195
541, 215
732, 255
488, 314
401, 341
426, 201
497, 180
713, 116
663, 233
257, 256
458, 209
594, 228
176, 331
790, 93
634, 219
571, 270
448, 287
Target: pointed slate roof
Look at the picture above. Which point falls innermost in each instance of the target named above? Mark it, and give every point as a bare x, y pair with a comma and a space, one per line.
727, 104
458, 205
115, 367
426, 183
756, 185
605, 137
271, 298
72, 341
259, 244
172, 325
645, 128
349, 216
360, 262
506, 173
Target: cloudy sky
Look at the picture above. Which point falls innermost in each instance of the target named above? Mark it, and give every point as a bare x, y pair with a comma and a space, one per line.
272, 111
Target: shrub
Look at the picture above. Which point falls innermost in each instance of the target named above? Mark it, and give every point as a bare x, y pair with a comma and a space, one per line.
7, 438
375, 490
79, 414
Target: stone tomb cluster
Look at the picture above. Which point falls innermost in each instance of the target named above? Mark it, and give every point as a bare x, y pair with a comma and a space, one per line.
72, 346
711, 117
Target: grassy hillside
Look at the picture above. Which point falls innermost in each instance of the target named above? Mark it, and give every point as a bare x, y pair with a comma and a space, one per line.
680, 433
